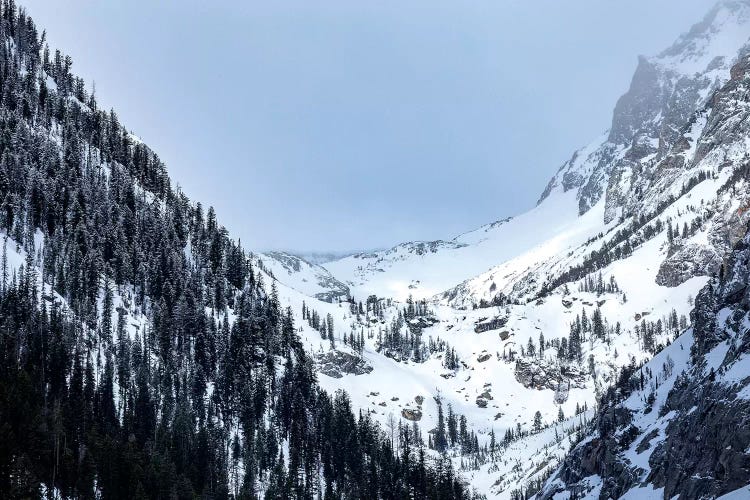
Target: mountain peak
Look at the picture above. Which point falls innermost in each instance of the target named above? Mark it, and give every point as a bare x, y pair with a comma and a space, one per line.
664, 92
722, 33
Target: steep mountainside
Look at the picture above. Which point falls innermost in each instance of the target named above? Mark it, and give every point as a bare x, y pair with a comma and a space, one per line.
143, 354
680, 425
683, 432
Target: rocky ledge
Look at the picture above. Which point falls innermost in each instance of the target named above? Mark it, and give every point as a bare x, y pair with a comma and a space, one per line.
336, 364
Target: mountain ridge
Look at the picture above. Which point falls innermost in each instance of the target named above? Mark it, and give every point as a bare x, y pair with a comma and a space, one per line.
145, 354
650, 210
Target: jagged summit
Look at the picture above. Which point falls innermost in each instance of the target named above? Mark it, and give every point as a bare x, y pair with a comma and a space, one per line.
713, 37
664, 92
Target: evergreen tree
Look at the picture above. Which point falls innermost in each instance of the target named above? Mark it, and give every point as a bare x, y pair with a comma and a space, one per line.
541, 345
537, 421
440, 437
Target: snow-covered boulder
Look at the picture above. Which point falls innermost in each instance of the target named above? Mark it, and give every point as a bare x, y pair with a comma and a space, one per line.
336, 364
542, 374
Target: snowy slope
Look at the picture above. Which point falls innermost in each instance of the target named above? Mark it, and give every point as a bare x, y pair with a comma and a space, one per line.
683, 430
665, 93
654, 205
426, 269
308, 278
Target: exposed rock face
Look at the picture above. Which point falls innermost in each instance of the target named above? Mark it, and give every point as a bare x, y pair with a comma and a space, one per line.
490, 324
697, 441
597, 456
422, 248
638, 105
705, 453
484, 357
541, 374
562, 392
649, 118
413, 414
336, 364
483, 399
687, 262
728, 226
416, 325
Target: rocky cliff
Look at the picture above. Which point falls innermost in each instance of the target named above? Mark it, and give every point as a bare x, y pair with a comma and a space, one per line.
680, 425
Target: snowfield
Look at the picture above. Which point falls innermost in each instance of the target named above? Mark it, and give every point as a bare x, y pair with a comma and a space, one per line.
425, 270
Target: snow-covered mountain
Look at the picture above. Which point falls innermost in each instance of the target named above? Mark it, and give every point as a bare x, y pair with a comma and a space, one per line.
628, 173
323, 257
425, 269
593, 346
629, 231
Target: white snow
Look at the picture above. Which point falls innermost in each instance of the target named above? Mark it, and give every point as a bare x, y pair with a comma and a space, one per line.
738, 494
398, 273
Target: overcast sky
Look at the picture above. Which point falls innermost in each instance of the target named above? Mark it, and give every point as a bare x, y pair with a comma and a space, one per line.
341, 125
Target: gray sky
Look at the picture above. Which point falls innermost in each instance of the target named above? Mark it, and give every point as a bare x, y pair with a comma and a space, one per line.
337, 125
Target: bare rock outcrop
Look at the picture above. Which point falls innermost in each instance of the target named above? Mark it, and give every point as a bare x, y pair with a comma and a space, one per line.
541, 374
336, 364
687, 262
